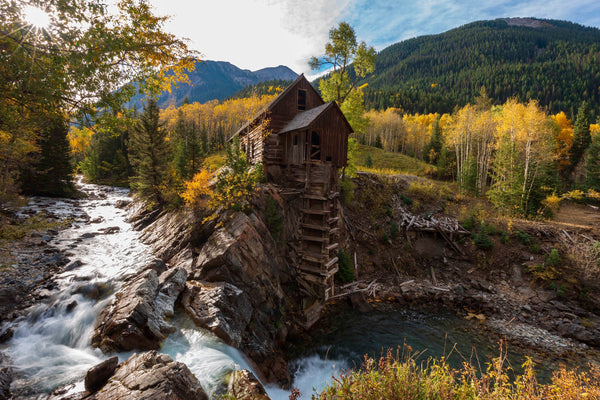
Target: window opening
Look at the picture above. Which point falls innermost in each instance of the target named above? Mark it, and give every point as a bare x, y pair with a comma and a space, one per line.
301, 99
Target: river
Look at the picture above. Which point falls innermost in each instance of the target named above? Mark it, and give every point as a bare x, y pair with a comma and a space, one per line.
51, 345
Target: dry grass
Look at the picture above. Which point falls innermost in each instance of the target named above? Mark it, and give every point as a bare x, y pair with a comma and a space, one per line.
402, 378
389, 163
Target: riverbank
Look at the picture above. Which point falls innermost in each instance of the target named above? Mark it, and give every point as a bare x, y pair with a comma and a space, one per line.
239, 280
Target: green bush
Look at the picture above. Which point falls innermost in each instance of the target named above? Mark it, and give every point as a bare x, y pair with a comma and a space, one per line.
394, 230
347, 190
524, 238
505, 237
481, 238
553, 259
273, 218
469, 223
406, 200
346, 267
385, 238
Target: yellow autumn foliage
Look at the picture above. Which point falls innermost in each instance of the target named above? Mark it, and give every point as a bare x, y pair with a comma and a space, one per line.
198, 192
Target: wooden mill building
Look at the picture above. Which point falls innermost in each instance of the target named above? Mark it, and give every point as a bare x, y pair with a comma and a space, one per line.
302, 142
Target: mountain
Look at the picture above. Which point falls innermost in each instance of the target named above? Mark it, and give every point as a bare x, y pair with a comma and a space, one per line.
555, 62
218, 80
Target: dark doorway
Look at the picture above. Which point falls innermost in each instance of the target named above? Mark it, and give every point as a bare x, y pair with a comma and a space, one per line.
315, 146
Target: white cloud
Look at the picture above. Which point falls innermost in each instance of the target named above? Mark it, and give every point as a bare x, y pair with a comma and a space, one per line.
254, 34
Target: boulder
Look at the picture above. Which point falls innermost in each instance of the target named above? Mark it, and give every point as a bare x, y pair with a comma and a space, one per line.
98, 375
151, 375
220, 307
148, 376
243, 385
136, 317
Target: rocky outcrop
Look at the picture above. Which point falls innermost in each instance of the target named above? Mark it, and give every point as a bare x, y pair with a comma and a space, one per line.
170, 237
149, 376
99, 374
220, 307
241, 253
234, 278
136, 319
243, 385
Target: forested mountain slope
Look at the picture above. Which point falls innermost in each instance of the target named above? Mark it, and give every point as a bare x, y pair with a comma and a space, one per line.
218, 80
555, 62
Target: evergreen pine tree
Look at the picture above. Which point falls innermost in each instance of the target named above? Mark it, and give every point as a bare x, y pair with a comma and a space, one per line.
581, 134
592, 164
187, 148
52, 174
149, 153
434, 147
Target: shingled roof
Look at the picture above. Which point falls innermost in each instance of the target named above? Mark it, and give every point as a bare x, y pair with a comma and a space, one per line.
268, 107
306, 118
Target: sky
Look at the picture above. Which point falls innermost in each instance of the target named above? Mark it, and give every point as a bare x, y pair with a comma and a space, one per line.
254, 34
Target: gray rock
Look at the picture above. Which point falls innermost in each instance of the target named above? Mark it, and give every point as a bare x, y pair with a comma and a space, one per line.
151, 376
73, 265
220, 307
136, 317
147, 376
110, 230
122, 203
99, 374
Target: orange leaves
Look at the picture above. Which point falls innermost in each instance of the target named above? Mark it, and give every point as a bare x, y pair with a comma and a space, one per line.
564, 138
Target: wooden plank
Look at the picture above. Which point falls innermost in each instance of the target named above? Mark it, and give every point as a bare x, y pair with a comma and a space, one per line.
314, 197
315, 227
331, 262
315, 239
332, 246
315, 257
315, 212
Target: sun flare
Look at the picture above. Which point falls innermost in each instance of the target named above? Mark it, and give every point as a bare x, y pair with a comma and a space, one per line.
36, 17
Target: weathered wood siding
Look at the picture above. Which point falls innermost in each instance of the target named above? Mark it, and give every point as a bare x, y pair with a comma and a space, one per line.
333, 136
253, 144
287, 107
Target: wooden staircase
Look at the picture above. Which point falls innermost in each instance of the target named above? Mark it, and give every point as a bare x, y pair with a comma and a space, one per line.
319, 231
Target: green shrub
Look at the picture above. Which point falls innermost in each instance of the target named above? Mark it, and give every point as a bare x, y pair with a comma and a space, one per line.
491, 229
469, 223
385, 238
394, 230
553, 259
346, 267
273, 218
481, 238
523, 238
406, 200
504, 237
347, 190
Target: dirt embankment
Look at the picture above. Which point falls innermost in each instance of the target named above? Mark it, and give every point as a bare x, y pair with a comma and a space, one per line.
535, 282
